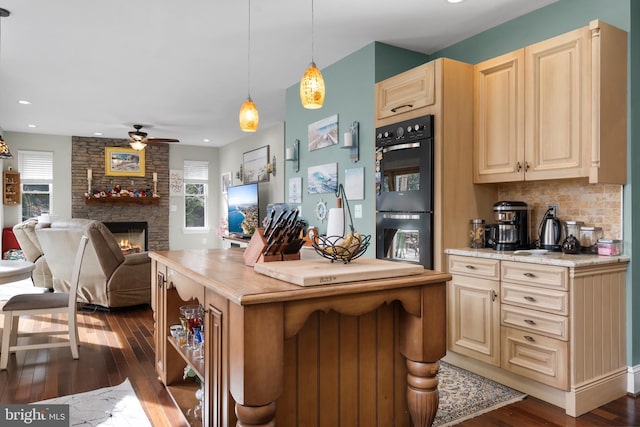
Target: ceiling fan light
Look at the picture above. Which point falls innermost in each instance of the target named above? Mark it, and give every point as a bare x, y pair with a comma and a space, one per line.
312, 88
137, 145
4, 150
248, 116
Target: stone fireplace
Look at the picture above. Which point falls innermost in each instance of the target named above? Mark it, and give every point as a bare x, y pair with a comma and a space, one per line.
89, 153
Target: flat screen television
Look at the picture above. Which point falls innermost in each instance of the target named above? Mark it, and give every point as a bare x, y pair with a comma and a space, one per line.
243, 213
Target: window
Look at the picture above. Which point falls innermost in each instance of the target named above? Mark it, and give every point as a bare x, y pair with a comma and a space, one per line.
36, 178
196, 178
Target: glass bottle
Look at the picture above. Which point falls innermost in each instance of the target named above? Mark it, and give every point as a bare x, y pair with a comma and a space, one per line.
476, 233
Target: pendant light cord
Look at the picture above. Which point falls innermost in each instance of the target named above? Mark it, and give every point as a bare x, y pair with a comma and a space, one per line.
249, 53
312, 31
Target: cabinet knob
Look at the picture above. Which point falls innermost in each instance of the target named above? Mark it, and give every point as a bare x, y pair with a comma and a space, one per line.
160, 280
494, 295
518, 167
526, 166
530, 299
529, 338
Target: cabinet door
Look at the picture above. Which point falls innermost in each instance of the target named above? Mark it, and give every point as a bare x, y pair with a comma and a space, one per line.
558, 107
499, 119
406, 91
474, 318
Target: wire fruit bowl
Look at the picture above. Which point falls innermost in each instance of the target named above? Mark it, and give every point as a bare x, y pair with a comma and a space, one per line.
338, 248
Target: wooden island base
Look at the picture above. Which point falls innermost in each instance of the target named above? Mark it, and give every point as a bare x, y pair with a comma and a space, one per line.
358, 353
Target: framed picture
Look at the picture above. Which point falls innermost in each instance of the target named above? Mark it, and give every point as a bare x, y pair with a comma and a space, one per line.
295, 190
323, 133
176, 182
225, 181
322, 178
123, 162
354, 183
254, 165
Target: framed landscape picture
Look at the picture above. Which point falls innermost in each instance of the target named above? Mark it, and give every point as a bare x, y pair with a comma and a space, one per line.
123, 162
254, 165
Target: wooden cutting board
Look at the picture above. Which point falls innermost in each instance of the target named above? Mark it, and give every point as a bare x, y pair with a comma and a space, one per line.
312, 272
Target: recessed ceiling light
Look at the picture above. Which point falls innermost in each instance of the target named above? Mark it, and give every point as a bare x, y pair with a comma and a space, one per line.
97, 133
455, 1
31, 126
206, 140
24, 102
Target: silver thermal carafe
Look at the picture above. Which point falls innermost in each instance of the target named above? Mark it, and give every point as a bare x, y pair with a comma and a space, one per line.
512, 226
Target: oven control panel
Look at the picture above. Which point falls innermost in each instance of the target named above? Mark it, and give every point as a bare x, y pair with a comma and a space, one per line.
406, 131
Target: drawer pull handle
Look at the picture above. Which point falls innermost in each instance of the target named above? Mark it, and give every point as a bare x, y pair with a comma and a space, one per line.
529, 338
494, 295
529, 322
394, 109
530, 275
470, 267
530, 299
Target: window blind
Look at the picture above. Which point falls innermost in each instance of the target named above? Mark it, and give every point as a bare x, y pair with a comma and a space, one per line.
196, 171
35, 166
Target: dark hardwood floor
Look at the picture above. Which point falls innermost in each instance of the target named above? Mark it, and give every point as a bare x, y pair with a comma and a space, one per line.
119, 345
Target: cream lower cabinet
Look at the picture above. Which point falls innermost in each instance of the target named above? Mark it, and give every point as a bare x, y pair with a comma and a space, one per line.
555, 332
546, 110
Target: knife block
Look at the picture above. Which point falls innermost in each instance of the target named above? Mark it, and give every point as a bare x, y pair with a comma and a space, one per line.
255, 251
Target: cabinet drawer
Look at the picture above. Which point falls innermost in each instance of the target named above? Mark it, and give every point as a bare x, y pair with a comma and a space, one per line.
406, 91
476, 267
535, 356
551, 325
536, 298
546, 276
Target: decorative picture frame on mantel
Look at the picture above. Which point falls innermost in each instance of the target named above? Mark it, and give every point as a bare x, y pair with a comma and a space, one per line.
120, 161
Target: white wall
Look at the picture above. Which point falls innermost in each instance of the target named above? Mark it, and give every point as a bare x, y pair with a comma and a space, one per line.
61, 148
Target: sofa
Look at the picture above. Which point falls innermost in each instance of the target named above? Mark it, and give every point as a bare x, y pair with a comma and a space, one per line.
25, 233
107, 277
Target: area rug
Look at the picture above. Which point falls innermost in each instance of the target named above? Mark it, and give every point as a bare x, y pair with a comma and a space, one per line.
116, 406
464, 395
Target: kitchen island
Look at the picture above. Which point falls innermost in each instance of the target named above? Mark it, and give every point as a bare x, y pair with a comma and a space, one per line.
356, 353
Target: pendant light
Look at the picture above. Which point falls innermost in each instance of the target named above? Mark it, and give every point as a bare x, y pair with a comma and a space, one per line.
248, 116
4, 149
312, 84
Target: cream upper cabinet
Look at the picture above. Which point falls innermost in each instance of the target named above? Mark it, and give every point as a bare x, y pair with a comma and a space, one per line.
540, 111
406, 91
499, 119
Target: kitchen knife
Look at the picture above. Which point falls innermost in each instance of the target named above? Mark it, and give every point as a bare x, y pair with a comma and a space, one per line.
269, 223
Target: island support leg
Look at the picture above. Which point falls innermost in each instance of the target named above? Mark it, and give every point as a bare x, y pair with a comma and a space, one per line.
262, 416
422, 392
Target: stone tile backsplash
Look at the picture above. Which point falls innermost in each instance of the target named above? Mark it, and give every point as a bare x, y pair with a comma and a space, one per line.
597, 205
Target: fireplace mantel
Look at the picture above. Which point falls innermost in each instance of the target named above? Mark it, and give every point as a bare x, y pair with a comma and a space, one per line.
122, 201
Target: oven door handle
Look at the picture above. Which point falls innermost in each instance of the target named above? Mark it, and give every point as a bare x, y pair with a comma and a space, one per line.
400, 147
387, 215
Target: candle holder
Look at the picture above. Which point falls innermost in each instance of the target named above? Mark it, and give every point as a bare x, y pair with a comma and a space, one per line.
292, 156
350, 142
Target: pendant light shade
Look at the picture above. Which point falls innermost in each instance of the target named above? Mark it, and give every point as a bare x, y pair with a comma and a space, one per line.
312, 88
137, 145
4, 150
312, 83
248, 116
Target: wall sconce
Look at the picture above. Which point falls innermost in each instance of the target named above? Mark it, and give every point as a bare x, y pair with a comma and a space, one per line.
351, 142
291, 155
89, 179
271, 167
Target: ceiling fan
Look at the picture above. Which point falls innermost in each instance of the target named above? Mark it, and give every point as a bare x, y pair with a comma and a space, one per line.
139, 139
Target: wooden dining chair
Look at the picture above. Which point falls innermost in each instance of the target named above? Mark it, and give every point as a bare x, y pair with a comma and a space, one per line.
42, 304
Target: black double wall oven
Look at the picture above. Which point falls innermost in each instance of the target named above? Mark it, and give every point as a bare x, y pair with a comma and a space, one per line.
404, 191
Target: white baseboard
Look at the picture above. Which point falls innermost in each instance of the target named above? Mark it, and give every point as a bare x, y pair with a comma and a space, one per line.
633, 380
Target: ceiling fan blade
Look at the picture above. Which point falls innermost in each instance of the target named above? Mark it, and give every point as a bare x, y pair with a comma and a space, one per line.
161, 140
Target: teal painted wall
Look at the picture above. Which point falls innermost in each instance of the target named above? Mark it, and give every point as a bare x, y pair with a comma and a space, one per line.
350, 94
558, 18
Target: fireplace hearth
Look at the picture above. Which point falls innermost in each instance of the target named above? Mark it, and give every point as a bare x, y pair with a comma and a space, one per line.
132, 236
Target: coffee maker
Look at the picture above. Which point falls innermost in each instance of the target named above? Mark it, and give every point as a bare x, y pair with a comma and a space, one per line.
512, 226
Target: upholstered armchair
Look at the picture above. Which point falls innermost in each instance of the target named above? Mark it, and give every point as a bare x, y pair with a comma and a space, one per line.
107, 277
25, 233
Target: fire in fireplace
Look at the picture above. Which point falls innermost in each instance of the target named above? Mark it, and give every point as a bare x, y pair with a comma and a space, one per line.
131, 235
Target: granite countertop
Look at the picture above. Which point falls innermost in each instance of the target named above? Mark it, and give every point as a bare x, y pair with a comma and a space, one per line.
535, 257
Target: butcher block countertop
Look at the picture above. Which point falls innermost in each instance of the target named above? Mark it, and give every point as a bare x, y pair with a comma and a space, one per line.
533, 257
224, 271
